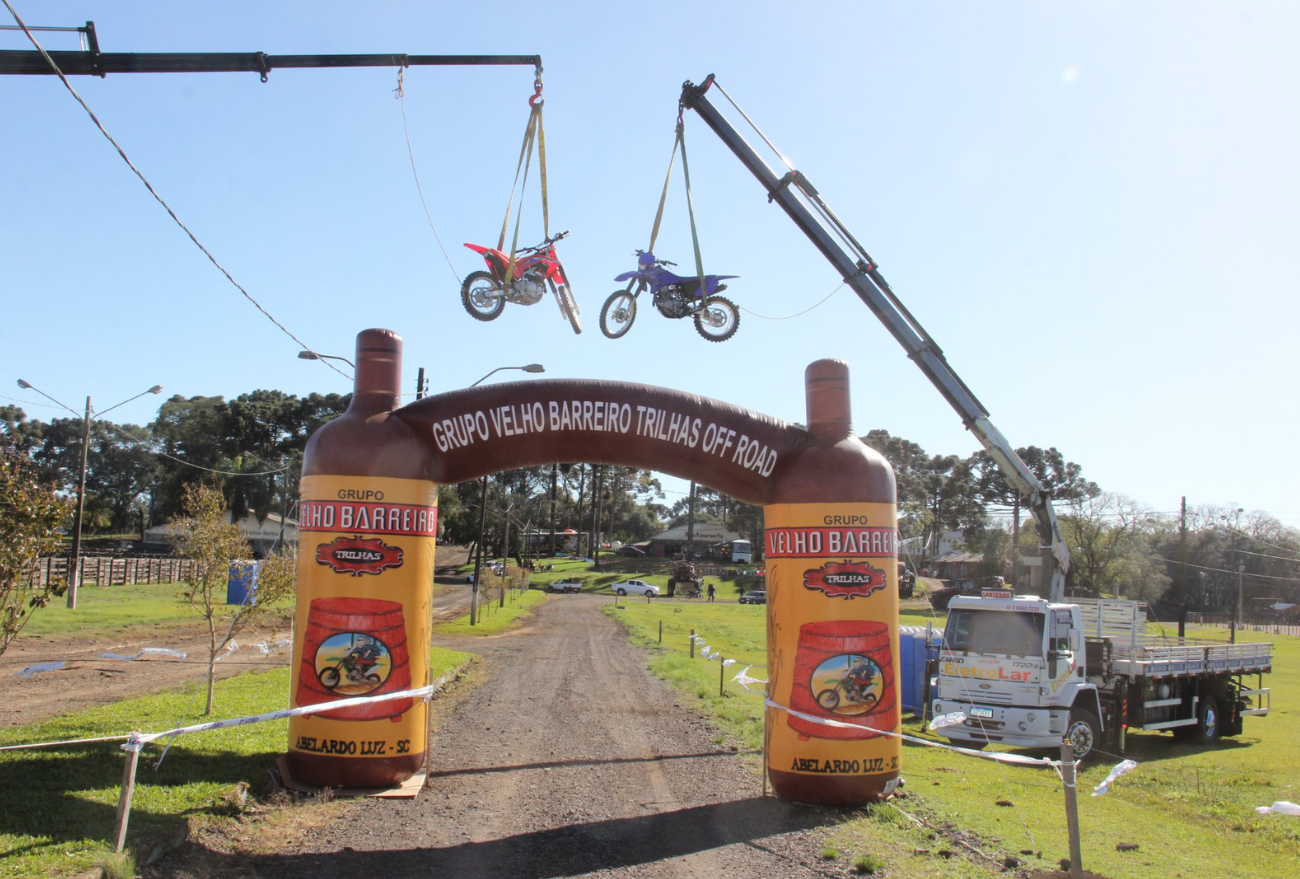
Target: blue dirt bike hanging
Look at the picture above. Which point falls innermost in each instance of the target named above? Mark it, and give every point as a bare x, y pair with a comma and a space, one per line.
716, 317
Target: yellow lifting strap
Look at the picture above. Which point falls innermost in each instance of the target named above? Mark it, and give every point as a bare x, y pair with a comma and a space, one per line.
533, 134
680, 142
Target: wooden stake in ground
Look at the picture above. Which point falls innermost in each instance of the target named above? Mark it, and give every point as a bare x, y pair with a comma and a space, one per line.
1069, 778
132, 748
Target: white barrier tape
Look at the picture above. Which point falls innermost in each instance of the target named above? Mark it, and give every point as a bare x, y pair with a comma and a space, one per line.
727, 662
421, 693
1120, 768
742, 677
38, 668
953, 718
144, 738
66, 742
996, 757
1281, 807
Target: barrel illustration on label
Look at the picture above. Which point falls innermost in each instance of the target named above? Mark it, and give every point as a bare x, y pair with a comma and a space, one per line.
843, 670
355, 647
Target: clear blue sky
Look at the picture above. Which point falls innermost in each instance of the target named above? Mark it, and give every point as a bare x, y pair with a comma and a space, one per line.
1089, 205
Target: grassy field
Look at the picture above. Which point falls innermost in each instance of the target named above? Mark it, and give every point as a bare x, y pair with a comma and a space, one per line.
1189, 810
58, 805
113, 608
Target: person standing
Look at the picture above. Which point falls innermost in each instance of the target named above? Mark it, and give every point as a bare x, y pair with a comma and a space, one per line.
711, 592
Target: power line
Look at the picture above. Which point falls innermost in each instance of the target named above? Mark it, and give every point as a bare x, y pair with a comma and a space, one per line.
152, 191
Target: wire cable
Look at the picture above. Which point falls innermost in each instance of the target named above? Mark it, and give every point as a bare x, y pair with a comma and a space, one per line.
138, 439
400, 95
824, 300
152, 191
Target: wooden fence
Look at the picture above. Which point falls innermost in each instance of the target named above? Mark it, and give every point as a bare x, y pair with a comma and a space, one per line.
109, 571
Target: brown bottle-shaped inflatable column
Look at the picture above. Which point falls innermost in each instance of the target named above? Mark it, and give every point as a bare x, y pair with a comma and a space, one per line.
367, 526
832, 592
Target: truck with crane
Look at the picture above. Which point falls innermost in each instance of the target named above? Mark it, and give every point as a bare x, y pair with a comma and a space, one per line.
1022, 671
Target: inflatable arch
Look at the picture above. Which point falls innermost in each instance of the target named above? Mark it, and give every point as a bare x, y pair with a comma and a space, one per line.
368, 521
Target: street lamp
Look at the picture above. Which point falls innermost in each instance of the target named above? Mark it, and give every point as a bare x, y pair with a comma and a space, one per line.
74, 577
482, 502
312, 355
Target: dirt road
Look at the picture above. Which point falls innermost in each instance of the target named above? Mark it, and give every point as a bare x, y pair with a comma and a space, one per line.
569, 759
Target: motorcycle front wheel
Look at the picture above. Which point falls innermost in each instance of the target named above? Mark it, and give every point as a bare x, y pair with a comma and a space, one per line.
482, 296
718, 320
568, 306
329, 678
617, 314
828, 699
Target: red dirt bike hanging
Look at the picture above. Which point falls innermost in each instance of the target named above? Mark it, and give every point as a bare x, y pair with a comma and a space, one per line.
485, 294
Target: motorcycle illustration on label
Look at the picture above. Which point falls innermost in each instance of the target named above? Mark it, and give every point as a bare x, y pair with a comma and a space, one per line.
848, 685
352, 663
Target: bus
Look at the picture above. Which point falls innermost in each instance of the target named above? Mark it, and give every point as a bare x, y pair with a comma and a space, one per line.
741, 552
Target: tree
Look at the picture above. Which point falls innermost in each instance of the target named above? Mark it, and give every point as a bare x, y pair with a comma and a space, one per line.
203, 536
1109, 541
1061, 479
30, 513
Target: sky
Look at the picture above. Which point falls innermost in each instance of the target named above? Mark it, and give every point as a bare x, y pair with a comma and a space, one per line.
1088, 205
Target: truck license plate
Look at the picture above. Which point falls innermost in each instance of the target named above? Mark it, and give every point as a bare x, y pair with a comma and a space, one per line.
981, 712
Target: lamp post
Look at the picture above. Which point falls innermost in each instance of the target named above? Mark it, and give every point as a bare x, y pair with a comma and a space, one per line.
313, 355
74, 576
482, 501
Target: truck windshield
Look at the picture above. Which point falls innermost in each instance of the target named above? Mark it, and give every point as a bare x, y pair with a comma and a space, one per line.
985, 631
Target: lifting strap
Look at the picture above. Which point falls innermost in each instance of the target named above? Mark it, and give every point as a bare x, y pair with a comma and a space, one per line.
679, 142
533, 134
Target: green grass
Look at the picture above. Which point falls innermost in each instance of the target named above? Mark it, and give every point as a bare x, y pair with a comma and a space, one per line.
493, 619
58, 805
1185, 807
113, 608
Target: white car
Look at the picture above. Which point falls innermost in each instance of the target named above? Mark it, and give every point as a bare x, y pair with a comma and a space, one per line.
566, 585
635, 587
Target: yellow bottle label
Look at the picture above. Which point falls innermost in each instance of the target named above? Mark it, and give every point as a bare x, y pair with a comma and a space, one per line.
832, 593
365, 585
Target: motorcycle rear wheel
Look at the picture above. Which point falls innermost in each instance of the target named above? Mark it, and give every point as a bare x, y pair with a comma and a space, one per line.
718, 320
482, 296
617, 314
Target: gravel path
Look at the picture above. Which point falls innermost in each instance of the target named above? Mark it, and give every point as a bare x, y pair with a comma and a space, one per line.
569, 759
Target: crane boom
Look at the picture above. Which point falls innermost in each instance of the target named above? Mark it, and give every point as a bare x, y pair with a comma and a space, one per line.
804, 205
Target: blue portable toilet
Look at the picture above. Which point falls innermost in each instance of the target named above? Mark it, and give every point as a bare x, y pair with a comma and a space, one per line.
241, 586
916, 645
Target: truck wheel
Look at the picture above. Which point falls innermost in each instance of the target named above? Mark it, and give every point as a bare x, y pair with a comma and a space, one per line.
622, 592
1207, 727
1082, 733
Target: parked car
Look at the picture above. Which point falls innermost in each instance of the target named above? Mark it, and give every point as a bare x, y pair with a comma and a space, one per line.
568, 584
628, 549
754, 596
635, 587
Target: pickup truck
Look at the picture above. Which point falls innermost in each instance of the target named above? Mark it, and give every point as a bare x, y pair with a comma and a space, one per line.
1025, 672
635, 587
568, 584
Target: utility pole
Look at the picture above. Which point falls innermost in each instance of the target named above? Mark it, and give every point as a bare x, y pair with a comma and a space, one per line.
690, 523
555, 477
419, 384
74, 575
1236, 622
1182, 578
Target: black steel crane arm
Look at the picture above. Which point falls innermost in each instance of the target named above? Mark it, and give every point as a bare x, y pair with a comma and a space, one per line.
829, 235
